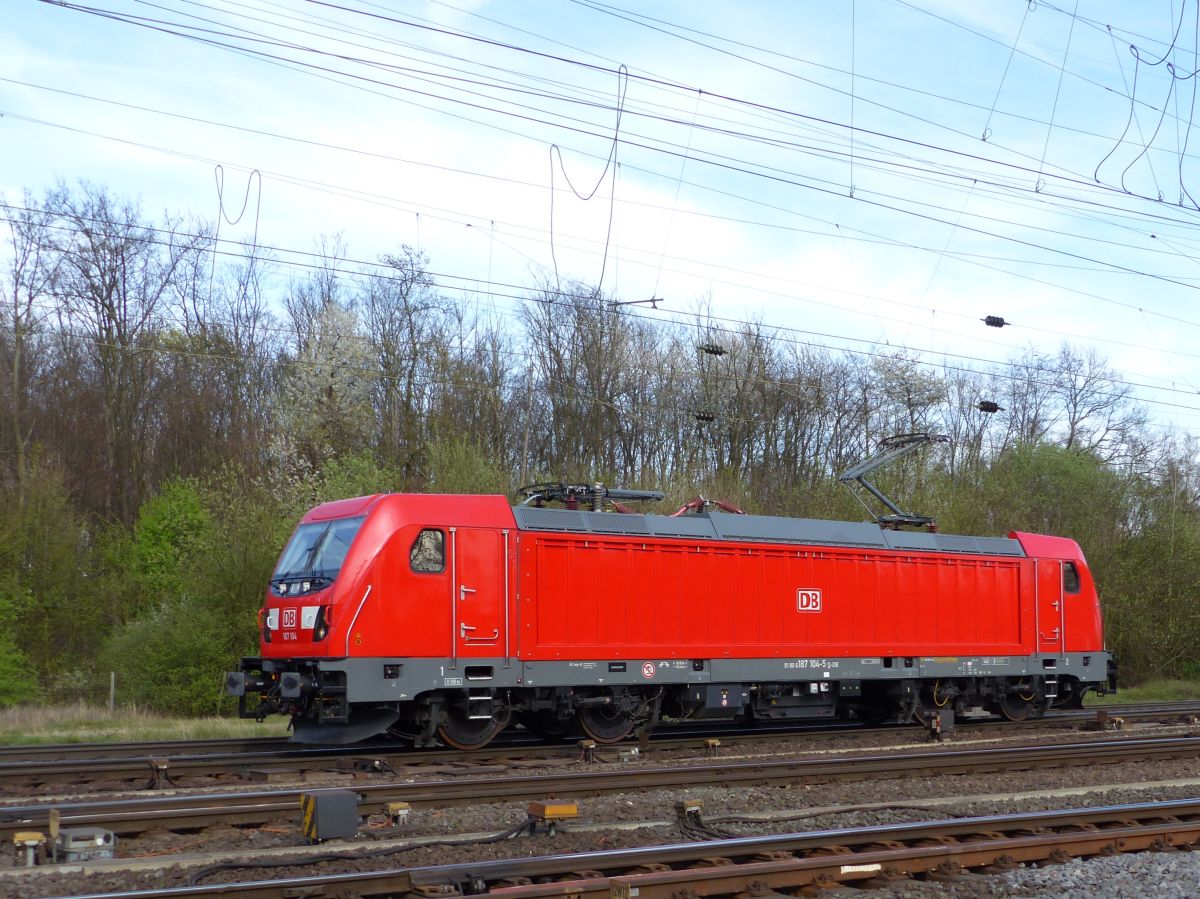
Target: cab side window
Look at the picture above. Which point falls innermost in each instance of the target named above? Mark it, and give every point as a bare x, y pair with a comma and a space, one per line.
1070, 578
428, 553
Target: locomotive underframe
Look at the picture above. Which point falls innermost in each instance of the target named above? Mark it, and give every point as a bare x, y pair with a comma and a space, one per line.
343, 700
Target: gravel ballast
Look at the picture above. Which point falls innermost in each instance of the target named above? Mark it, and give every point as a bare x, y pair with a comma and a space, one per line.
621, 821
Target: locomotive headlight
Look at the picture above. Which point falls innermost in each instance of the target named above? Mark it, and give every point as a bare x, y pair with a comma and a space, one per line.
268, 620
323, 623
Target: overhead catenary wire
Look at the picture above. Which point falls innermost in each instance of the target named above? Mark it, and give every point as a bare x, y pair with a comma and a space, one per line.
610, 163
1090, 295
1077, 180
375, 198
975, 183
931, 218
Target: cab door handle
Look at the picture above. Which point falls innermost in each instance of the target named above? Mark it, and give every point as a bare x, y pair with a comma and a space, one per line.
462, 632
463, 591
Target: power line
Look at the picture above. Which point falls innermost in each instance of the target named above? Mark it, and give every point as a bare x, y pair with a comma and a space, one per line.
375, 197
792, 115
931, 218
1133, 271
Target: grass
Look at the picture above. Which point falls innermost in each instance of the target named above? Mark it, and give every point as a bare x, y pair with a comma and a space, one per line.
1150, 691
92, 724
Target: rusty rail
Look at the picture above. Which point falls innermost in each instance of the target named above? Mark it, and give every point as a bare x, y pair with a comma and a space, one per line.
756, 865
192, 811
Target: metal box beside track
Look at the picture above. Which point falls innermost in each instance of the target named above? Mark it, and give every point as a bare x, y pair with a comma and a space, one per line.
329, 815
84, 844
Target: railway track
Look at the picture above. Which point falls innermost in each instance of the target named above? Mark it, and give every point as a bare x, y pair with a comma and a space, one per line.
189, 812
136, 765
757, 865
47, 752
23, 752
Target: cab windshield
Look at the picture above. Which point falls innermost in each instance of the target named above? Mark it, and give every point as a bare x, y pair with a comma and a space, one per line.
315, 554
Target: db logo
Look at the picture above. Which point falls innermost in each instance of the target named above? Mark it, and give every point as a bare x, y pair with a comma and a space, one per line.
289, 618
808, 600
648, 669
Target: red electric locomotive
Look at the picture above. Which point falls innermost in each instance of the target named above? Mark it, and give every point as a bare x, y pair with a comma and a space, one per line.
450, 617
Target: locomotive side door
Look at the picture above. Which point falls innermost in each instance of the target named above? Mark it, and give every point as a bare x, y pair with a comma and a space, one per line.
1050, 620
480, 577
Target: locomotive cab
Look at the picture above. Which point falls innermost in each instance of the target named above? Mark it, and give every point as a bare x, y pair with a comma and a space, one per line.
298, 609
375, 602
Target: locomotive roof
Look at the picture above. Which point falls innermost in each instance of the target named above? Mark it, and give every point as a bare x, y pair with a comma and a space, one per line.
758, 529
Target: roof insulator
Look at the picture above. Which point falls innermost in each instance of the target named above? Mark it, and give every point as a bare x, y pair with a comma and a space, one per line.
995, 321
704, 417
989, 406
713, 349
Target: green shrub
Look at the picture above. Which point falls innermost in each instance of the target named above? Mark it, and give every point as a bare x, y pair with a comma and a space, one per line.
460, 466
356, 474
18, 683
171, 659
171, 530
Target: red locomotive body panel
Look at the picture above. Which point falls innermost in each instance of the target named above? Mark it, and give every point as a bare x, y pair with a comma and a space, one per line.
586, 598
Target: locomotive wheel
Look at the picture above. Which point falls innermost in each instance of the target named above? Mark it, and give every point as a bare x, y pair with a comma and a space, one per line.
1014, 708
460, 732
605, 723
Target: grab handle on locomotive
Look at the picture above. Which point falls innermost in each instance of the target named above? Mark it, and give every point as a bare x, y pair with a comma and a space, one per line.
463, 591
462, 632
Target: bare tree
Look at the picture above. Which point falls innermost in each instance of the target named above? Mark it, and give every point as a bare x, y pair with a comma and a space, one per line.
1098, 412
113, 274
581, 345
30, 272
410, 327
1030, 408
307, 299
477, 390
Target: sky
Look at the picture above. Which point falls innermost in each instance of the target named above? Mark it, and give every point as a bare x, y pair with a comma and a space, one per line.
874, 175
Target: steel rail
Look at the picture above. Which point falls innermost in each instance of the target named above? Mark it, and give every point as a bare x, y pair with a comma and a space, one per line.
45, 752
136, 763
758, 864
32, 752
191, 811
1173, 822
